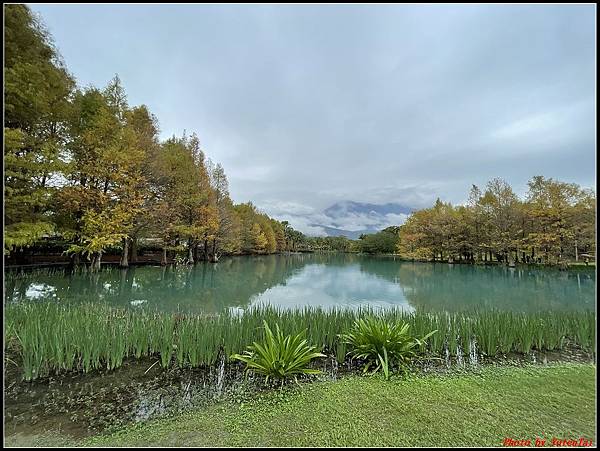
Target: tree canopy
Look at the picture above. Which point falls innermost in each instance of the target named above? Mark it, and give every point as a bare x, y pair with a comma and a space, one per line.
555, 222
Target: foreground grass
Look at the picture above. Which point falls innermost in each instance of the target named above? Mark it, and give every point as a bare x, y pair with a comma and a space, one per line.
456, 410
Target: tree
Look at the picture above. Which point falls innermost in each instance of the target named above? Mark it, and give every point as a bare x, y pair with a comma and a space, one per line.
259, 240
185, 198
86, 168
227, 227
384, 242
583, 224
36, 95
556, 209
279, 235
557, 219
103, 192
501, 205
145, 129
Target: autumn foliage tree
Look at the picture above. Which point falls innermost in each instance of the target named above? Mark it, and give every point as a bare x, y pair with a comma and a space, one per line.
37, 89
84, 167
555, 222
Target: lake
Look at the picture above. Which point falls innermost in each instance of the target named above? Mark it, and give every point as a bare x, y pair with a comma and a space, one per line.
327, 280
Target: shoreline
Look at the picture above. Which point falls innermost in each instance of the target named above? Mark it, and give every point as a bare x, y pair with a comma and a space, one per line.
112, 261
488, 390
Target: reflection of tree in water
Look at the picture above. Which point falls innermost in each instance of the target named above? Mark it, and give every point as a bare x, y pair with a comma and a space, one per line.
233, 282
204, 287
441, 286
383, 267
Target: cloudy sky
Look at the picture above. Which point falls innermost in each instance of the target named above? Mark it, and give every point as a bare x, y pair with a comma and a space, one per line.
309, 105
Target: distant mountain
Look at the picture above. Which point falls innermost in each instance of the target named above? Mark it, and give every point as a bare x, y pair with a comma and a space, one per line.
353, 219
331, 231
347, 207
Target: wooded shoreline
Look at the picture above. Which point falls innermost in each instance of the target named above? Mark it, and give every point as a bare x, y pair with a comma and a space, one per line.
154, 260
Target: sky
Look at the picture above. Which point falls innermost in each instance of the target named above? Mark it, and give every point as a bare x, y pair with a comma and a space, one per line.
309, 105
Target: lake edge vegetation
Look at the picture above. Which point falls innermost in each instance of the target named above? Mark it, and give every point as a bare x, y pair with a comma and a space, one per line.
97, 337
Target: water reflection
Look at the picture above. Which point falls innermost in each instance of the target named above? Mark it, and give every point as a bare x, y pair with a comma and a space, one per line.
334, 286
327, 280
464, 287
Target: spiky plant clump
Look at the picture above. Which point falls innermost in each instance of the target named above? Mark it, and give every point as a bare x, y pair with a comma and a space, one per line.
279, 356
383, 343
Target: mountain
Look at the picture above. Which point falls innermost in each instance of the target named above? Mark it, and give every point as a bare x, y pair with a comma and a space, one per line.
332, 231
348, 207
353, 219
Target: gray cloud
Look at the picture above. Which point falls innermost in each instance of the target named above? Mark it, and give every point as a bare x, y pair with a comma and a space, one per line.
307, 105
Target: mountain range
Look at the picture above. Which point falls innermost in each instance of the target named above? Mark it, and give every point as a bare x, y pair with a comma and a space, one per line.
352, 219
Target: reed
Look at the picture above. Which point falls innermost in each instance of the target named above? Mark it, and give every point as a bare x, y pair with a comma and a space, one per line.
51, 338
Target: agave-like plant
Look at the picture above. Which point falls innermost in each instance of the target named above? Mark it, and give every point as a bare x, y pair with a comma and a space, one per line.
383, 343
279, 356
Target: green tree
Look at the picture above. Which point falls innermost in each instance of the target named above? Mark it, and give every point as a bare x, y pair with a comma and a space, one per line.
37, 87
553, 208
384, 242
145, 129
102, 196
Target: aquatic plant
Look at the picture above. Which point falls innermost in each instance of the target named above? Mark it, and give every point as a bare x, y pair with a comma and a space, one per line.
279, 356
382, 342
48, 337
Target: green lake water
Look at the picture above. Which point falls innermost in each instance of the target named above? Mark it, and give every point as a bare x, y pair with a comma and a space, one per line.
327, 280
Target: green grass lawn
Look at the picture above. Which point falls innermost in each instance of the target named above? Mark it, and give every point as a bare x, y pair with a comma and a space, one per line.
454, 410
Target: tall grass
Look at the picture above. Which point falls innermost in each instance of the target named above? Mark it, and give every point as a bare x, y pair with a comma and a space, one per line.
49, 338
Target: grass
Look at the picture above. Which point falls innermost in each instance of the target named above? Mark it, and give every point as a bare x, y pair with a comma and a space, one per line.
591, 264
50, 338
455, 410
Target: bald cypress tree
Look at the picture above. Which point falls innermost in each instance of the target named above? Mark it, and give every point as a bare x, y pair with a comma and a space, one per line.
36, 97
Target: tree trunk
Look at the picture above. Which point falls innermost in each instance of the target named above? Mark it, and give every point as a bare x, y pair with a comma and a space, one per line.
74, 263
206, 250
509, 260
134, 250
576, 252
163, 261
96, 262
190, 252
560, 254
125, 254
